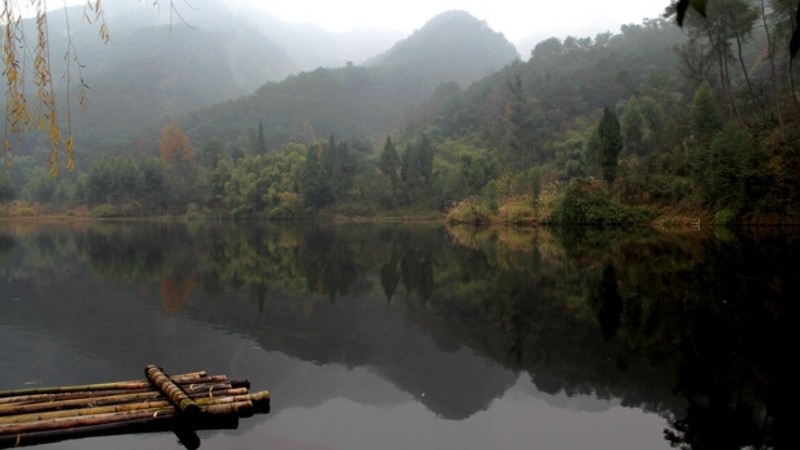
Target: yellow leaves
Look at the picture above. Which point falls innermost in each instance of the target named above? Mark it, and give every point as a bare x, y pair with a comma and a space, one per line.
70, 153
44, 117
93, 12
175, 147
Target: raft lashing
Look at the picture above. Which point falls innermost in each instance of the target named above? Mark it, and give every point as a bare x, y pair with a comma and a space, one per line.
182, 404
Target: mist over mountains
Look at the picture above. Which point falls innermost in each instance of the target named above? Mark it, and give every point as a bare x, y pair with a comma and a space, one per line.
360, 101
158, 67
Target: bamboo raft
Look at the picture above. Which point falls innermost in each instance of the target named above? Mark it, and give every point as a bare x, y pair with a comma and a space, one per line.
181, 403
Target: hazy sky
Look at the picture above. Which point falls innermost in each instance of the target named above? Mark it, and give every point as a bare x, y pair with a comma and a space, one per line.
514, 18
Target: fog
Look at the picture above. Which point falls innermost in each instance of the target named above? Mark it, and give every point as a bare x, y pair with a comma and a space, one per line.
523, 23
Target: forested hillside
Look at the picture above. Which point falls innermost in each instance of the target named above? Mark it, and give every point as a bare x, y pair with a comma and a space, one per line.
689, 125
152, 70
162, 71
453, 46
361, 101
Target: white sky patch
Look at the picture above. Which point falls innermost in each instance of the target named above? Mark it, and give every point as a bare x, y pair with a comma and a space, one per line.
516, 19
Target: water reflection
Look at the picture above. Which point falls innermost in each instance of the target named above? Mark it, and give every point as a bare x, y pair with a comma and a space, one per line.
698, 330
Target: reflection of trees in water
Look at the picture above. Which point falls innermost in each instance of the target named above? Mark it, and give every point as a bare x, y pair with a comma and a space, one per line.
7, 243
711, 312
390, 276
175, 291
125, 253
329, 262
699, 330
607, 303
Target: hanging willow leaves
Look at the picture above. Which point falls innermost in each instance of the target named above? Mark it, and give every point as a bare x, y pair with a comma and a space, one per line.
21, 56
29, 59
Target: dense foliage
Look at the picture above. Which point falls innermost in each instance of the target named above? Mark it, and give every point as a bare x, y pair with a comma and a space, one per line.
696, 124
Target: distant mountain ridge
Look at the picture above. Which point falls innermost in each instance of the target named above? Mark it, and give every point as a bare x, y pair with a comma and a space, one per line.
360, 101
453, 46
153, 70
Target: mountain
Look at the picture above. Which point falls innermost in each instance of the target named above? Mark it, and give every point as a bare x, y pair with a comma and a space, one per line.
312, 46
309, 45
147, 74
453, 46
157, 67
360, 101
149, 71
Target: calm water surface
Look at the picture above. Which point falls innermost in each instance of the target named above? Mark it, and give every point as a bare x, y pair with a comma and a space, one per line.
396, 337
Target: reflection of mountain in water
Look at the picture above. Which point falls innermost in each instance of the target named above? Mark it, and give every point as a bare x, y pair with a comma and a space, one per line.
356, 331
655, 322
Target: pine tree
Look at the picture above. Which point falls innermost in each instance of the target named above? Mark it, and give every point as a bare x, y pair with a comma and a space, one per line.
316, 186
425, 159
261, 143
610, 138
389, 160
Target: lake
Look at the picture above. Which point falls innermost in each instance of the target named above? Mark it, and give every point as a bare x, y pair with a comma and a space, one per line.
421, 336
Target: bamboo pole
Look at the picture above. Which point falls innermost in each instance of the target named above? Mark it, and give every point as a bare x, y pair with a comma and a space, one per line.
259, 400
69, 422
194, 388
42, 398
215, 393
149, 424
131, 384
206, 379
90, 411
170, 390
99, 399
182, 402
239, 408
195, 384
256, 400
77, 402
240, 383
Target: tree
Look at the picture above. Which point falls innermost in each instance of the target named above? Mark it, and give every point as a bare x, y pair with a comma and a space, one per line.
316, 185
680, 7
610, 139
417, 164
261, 144
212, 152
175, 148
633, 127
6, 187
722, 23
425, 158
705, 115
519, 147
390, 162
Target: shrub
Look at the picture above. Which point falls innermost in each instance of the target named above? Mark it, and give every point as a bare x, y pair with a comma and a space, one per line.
724, 217
104, 211
518, 213
469, 211
588, 203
